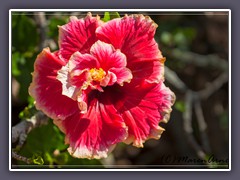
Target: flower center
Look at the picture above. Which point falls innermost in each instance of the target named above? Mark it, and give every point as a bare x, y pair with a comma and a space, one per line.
97, 74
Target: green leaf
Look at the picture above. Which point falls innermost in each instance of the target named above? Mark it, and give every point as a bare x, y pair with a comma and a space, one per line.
166, 38
37, 159
48, 143
109, 16
18, 60
81, 163
180, 38
22, 66
180, 106
62, 158
106, 17
27, 112
25, 42
30, 101
25, 36
183, 37
39, 139
48, 158
53, 24
44, 139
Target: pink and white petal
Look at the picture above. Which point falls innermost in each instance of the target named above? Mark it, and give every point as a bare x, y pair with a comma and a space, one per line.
106, 80
133, 35
94, 134
63, 77
143, 108
82, 61
109, 79
122, 74
107, 55
46, 89
78, 78
82, 100
75, 75
78, 35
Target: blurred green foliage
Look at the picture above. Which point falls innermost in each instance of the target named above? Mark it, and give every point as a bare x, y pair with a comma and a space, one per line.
27, 112
174, 33
24, 33
45, 145
25, 39
110, 15
180, 106
179, 37
53, 24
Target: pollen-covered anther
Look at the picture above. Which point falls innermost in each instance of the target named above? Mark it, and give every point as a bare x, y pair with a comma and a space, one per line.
97, 74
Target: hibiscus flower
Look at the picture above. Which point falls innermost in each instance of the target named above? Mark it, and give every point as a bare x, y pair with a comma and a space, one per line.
105, 84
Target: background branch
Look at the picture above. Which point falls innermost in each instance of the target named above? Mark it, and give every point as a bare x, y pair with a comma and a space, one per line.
42, 26
21, 158
209, 61
214, 86
194, 98
42, 23
20, 131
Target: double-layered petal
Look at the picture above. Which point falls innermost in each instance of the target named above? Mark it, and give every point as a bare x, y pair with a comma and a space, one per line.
47, 90
78, 35
105, 85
